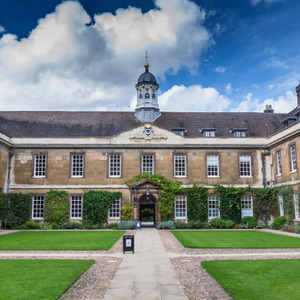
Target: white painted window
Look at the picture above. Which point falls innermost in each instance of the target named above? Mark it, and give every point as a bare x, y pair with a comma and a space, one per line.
180, 165
281, 206
38, 207
148, 163
245, 165
293, 158
76, 207
115, 208
296, 206
114, 165
39, 169
213, 207
209, 133
77, 165
180, 207
212, 165
247, 206
240, 133
278, 161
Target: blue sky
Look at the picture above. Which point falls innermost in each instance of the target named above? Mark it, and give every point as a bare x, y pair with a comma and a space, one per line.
207, 55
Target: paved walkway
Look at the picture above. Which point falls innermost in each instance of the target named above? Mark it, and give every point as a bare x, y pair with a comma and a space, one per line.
146, 274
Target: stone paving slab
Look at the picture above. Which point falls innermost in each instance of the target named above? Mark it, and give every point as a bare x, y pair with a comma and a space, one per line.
146, 274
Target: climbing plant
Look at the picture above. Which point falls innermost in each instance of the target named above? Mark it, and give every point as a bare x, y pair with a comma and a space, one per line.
230, 202
287, 194
96, 205
57, 203
168, 192
197, 204
265, 202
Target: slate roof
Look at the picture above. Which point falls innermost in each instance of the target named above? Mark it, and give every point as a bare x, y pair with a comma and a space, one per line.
104, 124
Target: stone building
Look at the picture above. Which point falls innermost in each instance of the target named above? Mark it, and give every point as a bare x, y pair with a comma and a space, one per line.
78, 151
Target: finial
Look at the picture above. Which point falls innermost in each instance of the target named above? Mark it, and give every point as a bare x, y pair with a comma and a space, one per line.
146, 63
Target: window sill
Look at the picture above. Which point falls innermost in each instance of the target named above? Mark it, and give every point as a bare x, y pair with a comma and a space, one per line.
278, 175
294, 171
213, 176
246, 176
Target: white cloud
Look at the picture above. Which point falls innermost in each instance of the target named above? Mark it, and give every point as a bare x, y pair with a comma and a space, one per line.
69, 63
282, 104
220, 70
2, 29
255, 2
193, 98
228, 88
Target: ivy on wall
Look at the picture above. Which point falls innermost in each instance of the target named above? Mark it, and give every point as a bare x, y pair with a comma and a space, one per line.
14, 208
265, 202
57, 203
96, 205
168, 192
287, 194
197, 204
230, 202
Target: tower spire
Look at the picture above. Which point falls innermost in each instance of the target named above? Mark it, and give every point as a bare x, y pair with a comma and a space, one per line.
146, 63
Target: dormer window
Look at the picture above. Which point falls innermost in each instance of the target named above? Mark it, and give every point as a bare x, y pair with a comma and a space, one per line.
209, 132
288, 121
239, 132
180, 131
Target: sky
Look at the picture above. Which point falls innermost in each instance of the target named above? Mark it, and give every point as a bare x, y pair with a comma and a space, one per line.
207, 55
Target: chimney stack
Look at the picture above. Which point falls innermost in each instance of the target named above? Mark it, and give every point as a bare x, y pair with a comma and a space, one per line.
269, 109
298, 94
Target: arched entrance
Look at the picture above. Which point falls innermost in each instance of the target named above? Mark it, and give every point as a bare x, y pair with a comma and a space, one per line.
147, 210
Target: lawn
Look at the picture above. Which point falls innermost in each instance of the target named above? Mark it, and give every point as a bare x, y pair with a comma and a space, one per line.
60, 240
235, 239
257, 279
38, 279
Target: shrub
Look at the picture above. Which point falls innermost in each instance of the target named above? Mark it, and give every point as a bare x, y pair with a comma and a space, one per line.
45, 226
54, 225
290, 229
166, 225
217, 223
32, 225
71, 225
112, 226
198, 225
297, 229
57, 203
126, 225
181, 225
126, 212
259, 225
278, 223
251, 221
229, 224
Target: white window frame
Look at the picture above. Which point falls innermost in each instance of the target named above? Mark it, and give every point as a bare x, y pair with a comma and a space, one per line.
77, 165
212, 165
278, 163
209, 132
240, 133
245, 167
293, 157
246, 206
213, 206
114, 212
180, 165
296, 206
180, 207
281, 206
40, 165
115, 165
76, 207
38, 207
148, 163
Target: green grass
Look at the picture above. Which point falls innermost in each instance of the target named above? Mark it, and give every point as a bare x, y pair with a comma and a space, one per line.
38, 279
235, 239
60, 240
257, 279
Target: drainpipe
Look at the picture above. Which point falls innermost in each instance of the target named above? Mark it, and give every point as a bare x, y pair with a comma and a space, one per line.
263, 158
10, 156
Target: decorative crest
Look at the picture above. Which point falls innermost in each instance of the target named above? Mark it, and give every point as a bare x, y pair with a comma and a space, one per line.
148, 134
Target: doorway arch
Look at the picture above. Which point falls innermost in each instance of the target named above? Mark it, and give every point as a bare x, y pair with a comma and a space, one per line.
147, 210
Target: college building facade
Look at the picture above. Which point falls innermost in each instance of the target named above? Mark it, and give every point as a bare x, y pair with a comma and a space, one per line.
80, 151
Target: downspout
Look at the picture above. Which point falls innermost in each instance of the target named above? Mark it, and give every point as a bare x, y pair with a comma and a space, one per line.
10, 156
263, 159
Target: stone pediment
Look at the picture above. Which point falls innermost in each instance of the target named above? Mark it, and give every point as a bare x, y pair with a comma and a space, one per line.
145, 183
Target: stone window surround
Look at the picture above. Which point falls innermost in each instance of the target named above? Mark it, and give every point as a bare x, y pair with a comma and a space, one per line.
293, 158
109, 165
219, 165
213, 206
239, 165
180, 207
35, 165
247, 204
153, 161
36, 201
114, 212
76, 207
278, 163
175, 172
72, 165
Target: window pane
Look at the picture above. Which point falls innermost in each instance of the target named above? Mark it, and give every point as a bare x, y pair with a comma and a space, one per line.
213, 207
114, 165
114, 211
179, 165
180, 206
293, 158
39, 165
278, 159
212, 165
247, 206
38, 207
77, 165
148, 164
245, 165
76, 207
